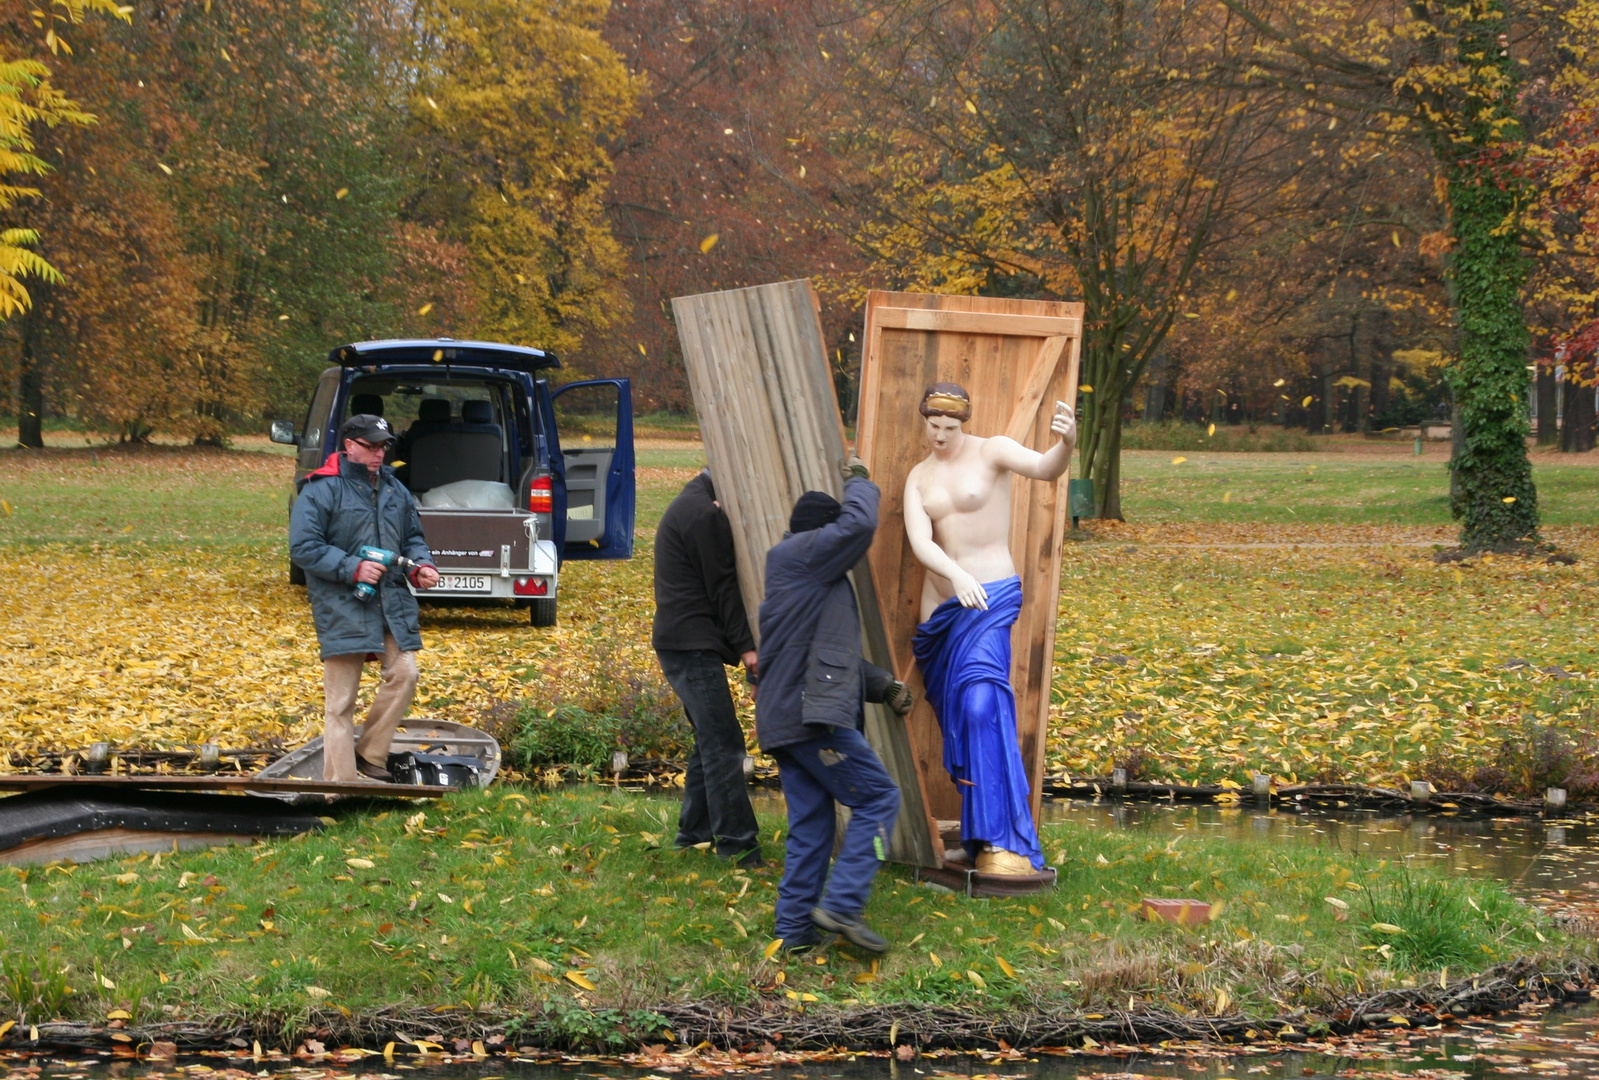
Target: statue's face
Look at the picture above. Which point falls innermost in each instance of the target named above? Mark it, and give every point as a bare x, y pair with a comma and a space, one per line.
943, 432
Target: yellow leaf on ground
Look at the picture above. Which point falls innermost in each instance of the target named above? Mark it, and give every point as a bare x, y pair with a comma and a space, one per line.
577, 978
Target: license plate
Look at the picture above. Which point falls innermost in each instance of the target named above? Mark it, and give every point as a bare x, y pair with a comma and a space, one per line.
464, 582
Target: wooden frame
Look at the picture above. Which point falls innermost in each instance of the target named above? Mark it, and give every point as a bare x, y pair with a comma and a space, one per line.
1013, 356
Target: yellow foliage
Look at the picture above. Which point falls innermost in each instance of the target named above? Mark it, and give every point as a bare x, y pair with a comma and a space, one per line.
516, 103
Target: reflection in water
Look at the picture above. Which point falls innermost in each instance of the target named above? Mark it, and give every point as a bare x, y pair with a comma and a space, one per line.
1529, 854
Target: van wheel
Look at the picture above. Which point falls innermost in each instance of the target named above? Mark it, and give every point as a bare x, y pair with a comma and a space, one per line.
542, 611
296, 574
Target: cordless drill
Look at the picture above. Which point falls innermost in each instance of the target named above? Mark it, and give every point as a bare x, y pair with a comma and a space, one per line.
363, 591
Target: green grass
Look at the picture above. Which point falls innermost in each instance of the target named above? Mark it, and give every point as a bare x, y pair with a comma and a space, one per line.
1321, 488
509, 900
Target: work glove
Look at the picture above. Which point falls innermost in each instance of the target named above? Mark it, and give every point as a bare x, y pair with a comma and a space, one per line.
854, 468
899, 698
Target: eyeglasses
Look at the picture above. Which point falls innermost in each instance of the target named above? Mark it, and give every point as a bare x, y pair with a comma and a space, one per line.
370, 446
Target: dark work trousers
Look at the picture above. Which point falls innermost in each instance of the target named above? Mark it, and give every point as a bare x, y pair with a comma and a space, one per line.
838, 767
716, 801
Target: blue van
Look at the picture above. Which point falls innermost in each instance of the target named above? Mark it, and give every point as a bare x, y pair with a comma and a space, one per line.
511, 477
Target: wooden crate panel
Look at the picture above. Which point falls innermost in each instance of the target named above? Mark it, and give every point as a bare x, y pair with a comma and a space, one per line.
1016, 358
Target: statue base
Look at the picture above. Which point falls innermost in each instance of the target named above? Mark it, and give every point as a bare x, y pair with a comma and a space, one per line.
962, 877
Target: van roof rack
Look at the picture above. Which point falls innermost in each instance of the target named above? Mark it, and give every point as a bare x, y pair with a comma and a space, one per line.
443, 351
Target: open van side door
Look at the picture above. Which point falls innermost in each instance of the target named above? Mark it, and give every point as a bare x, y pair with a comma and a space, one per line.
594, 430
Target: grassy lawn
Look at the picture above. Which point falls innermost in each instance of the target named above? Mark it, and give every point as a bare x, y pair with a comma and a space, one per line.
514, 902
1330, 488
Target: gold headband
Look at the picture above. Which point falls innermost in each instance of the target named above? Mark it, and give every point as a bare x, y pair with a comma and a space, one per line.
946, 403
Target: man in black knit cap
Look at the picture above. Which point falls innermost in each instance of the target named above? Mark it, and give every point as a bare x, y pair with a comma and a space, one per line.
809, 717
700, 626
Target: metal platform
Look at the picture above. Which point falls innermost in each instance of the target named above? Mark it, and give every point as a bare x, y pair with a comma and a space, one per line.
964, 878
84, 822
255, 785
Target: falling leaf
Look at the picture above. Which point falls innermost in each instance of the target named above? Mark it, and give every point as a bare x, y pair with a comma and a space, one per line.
1279, 382
341, 193
1508, 499
431, 103
1178, 460
425, 308
1085, 389
771, 948
709, 242
971, 106
1308, 399
164, 168
1210, 430
577, 978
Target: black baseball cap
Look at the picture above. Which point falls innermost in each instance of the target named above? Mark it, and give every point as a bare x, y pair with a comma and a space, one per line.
367, 428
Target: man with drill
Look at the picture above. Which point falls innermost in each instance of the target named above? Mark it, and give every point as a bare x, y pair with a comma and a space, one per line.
355, 529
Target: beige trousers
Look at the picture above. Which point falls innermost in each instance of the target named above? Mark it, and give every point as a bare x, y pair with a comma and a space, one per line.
341, 682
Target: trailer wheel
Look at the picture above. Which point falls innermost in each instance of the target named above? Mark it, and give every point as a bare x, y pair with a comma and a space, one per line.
296, 574
542, 611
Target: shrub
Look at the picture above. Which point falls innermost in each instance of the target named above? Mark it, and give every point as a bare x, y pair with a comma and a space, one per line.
1539, 755
1176, 435
569, 734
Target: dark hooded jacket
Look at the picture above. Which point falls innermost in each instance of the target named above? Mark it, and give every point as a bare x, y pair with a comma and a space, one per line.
338, 511
698, 605
812, 674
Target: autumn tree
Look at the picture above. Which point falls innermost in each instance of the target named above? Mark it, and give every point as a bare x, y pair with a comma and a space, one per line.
510, 113
1448, 73
29, 102
725, 176
1035, 148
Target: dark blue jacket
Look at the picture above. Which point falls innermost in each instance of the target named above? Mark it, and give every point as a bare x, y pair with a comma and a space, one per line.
337, 512
812, 674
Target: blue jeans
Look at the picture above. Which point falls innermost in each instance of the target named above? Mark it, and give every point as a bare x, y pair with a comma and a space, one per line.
716, 799
837, 767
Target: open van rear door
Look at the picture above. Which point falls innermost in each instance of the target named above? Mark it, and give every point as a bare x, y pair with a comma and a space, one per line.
594, 428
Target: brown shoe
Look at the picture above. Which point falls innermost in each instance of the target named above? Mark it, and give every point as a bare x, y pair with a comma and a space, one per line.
371, 771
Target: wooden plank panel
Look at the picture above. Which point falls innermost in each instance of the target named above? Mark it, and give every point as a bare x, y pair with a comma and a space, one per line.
769, 417
1012, 376
978, 322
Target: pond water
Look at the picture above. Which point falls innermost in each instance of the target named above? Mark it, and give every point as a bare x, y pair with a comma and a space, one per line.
1533, 856
1554, 863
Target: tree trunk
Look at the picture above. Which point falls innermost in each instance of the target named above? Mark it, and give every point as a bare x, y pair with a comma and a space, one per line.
1108, 486
1548, 406
30, 386
1577, 436
1493, 494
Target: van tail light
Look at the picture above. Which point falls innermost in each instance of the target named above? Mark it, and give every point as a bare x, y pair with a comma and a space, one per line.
541, 498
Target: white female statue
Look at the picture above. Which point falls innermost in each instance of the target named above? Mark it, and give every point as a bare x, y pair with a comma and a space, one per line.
957, 515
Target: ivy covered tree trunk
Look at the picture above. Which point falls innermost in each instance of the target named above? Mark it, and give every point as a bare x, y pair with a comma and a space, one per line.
1492, 491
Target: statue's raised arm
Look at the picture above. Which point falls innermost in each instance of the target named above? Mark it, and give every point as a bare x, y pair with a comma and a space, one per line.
957, 518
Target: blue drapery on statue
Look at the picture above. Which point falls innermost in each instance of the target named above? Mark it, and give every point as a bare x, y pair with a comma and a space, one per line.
964, 655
